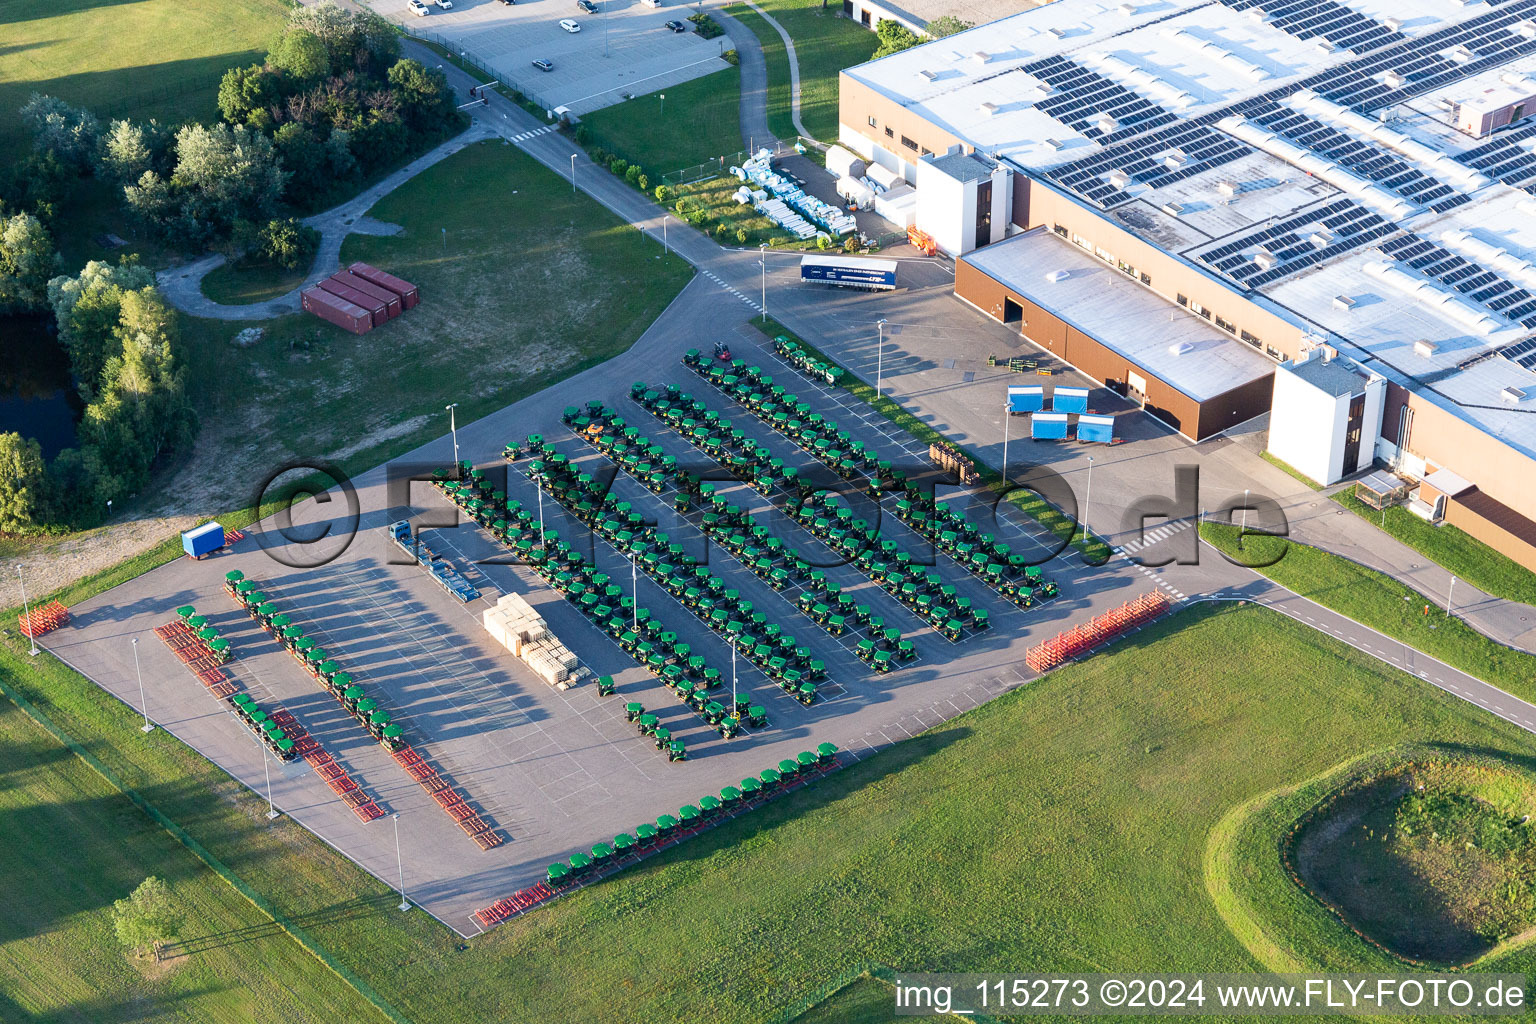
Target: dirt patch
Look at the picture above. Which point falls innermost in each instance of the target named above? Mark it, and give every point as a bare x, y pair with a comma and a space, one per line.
1433, 862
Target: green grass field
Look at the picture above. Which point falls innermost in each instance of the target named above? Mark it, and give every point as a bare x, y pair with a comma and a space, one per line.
701, 124
1454, 550
1063, 827
1382, 603
825, 44
235, 285
74, 845
146, 58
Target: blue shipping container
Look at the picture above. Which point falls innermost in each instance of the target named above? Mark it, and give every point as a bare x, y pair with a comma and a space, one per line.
204, 539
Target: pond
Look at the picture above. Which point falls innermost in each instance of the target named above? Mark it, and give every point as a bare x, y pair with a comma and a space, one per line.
37, 399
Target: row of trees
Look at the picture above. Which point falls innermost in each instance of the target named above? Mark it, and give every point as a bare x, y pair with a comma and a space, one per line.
122, 341
332, 102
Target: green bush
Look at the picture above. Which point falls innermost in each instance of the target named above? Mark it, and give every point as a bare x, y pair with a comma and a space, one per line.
851, 244
823, 242
643, 183
732, 58
741, 235
618, 165
632, 175
663, 193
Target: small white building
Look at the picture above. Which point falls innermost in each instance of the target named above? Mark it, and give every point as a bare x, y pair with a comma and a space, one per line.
1325, 416
962, 200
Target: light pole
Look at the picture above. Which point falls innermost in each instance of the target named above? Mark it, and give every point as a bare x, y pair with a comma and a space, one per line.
733, 678
880, 357
540, 484
634, 592
27, 610
453, 428
1087, 501
664, 246
663, 103
1448, 596
143, 704
762, 261
400, 862
1006, 417
573, 172
1244, 528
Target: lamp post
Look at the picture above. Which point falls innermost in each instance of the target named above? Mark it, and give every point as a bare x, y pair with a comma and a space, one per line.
27, 610
573, 172
663, 96
453, 428
1244, 528
634, 592
664, 246
762, 261
1006, 417
1088, 501
1449, 594
540, 484
400, 862
143, 704
879, 355
733, 677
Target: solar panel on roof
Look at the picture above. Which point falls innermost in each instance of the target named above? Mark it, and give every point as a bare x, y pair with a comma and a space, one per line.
1470, 279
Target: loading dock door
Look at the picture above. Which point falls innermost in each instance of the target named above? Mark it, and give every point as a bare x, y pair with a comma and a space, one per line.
1136, 384
1013, 313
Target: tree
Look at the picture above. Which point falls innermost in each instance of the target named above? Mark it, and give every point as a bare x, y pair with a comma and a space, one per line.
244, 90
894, 37
150, 915
27, 261
301, 56
357, 40
426, 103
22, 484
946, 25
129, 149
88, 310
288, 244
222, 174
70, 133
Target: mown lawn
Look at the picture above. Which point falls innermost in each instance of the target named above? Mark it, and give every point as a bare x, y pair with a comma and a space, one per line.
1061, 827
236, 285
699, 122
1380, 602
73, 846
140, 59
1454, 550
825, 44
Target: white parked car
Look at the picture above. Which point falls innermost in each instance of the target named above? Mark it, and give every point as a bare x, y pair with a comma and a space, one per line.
418, 8
569, 25
446, 5
651, 3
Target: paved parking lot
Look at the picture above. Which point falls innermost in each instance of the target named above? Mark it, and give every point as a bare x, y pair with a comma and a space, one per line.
624, 49
554, 771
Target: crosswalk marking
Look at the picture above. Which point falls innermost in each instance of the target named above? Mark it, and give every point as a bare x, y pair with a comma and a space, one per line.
525, 136
1156, 536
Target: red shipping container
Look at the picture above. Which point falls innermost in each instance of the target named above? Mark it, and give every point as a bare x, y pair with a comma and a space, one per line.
404, 289
390, 299
336, 310
375, 307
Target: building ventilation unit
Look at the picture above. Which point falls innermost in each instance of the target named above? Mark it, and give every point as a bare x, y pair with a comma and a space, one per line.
1512, 395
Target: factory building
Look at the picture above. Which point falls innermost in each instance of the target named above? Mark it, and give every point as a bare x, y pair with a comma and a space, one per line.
1218, 209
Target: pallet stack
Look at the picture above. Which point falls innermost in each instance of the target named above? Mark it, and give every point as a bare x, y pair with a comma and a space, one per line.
516, 626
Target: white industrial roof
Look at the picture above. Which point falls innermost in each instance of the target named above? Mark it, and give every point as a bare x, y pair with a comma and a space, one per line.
1168, 341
